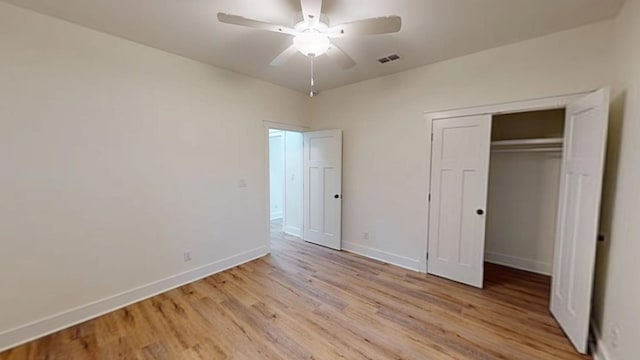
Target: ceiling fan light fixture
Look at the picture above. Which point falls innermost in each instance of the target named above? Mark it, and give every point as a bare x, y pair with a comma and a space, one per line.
311, 43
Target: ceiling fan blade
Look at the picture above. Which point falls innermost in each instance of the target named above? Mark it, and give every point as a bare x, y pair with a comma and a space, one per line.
256, 24
373, 26
284, 56
340, 57
311, 10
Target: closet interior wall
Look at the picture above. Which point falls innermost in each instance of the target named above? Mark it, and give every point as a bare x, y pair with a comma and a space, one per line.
524, 178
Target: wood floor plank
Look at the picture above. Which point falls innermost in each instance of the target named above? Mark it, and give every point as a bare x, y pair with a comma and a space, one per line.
308, 302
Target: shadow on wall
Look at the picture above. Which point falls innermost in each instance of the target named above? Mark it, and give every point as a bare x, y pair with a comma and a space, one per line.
614, 141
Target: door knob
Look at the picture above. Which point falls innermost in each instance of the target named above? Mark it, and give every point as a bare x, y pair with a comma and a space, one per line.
336, 196
480, 212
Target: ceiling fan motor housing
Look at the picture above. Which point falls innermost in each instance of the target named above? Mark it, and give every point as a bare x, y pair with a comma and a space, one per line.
312, 43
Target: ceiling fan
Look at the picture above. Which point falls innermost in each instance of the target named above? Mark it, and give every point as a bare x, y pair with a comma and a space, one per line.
312, 35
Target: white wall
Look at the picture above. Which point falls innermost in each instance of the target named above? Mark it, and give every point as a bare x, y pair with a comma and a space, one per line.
617, 292
293, 183
114, 159
521, 210
276, 174
385, 157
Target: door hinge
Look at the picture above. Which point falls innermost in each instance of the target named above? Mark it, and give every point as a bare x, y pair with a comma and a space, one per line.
431, 137
429, 197
427, 256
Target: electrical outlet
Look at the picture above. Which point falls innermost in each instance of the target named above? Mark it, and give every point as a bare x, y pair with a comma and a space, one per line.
187, 255
365, 235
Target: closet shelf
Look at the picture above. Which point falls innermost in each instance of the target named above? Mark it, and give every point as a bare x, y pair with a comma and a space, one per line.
528, 145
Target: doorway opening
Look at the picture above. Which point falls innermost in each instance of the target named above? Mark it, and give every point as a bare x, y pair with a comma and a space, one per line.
304, 195
285, 185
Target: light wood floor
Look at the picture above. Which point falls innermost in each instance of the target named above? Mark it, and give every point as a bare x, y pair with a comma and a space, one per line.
308, 302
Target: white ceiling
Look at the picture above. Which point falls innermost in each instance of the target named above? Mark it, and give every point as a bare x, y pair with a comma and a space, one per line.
432, 30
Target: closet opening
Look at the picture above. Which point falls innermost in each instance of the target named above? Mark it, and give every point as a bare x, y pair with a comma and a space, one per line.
524, 180
514, 198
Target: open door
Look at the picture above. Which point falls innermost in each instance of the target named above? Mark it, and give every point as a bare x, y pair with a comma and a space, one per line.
578, 215
323, 188
460, 154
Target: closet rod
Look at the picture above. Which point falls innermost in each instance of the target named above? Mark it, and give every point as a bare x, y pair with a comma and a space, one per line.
556, 149
528, 142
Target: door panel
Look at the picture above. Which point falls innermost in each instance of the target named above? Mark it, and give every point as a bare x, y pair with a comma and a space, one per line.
578, 215
322, 183
459, 178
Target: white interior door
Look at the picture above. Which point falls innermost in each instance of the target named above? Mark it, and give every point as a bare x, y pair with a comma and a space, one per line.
578, 215
323, 188
460, 154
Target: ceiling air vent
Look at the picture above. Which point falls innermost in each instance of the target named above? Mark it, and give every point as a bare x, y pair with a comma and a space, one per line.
389, 58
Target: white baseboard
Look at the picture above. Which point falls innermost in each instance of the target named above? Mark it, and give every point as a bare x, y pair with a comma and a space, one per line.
293, 231
597, 346
276, 216
531, 265
393, 259
39, 328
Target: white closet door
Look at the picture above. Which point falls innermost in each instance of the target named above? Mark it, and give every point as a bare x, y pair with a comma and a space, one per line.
578, 215
459, 176
323, 188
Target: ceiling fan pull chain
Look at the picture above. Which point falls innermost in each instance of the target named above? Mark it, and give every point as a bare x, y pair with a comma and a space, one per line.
312, 81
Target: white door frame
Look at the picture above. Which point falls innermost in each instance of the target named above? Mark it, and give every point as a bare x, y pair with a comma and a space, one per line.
539, 104
276, 126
